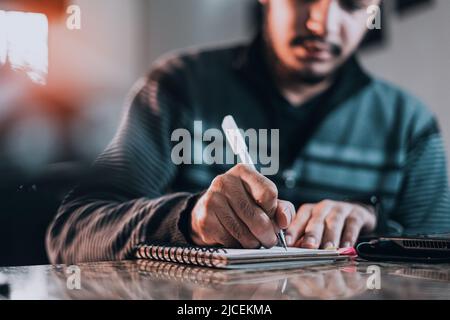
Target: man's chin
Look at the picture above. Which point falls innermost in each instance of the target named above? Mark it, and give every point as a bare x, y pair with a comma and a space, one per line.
312, 72
309, 76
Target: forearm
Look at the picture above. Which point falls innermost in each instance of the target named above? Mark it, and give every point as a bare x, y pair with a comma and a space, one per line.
105, 230
124, 200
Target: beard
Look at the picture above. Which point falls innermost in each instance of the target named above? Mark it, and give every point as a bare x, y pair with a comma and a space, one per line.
305, 75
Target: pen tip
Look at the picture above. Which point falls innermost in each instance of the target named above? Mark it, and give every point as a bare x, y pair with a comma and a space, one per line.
282, 240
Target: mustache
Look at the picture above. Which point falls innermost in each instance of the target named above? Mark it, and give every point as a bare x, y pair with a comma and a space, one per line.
334, 48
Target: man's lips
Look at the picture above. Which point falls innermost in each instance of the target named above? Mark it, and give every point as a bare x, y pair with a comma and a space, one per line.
312, 49
312, 45
313, 53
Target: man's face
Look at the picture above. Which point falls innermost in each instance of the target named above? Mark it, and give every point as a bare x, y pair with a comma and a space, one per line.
312, 38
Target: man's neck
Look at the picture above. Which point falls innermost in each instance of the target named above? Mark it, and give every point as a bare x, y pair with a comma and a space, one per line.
297, 93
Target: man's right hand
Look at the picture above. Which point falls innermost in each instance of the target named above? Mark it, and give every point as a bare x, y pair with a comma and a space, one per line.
240, 209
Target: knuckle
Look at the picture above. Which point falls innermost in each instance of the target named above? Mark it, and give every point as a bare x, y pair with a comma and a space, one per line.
331, 221
372, 220
347, 207
209, 200
218, 183
341, 208
271, 191
267, 198
304, 208
318, 213
318, 207
239, 168
354, 220
356, 209
325, 203
334, 219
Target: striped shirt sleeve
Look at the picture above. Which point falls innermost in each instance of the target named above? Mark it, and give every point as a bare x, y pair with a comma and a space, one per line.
125, 200
424, 203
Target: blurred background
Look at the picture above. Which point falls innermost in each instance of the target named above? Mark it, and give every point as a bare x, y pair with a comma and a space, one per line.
56, 117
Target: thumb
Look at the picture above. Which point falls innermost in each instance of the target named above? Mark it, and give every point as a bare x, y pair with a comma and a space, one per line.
284, 214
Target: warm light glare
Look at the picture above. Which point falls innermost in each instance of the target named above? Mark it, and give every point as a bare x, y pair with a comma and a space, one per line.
24, 43
3, 49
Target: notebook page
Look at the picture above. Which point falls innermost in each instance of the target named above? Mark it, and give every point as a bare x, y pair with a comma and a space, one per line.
279, 265
276, 252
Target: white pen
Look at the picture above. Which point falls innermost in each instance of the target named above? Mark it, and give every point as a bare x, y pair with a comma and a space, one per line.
237, 144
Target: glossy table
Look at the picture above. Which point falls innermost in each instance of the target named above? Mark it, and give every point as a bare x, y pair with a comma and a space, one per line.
157, 280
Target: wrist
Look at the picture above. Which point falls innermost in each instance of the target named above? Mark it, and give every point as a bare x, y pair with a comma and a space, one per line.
193, 226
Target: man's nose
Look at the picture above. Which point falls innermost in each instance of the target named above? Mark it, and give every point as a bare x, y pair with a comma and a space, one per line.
317, 22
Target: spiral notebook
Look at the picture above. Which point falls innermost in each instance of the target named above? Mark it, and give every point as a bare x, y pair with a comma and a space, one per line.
237, 258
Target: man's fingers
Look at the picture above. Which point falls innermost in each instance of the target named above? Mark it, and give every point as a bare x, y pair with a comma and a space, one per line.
257, 221
314, 229
353, 226
298, 225
245, 205
263, 191
224, 238
214, 233
235, 227
334, 224
284, 214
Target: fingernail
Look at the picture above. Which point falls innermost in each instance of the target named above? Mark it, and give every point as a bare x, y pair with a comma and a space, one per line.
346, 244
310, 241
289, 240
329, 246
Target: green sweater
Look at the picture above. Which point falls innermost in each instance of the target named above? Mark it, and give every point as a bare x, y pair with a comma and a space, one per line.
362, 137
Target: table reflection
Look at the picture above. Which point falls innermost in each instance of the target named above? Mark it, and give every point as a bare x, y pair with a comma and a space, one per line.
147, 279
160, 280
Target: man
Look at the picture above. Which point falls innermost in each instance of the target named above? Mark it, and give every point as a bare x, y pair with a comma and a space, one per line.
345, 140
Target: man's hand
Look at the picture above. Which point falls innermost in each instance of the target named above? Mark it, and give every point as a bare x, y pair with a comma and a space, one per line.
330, 224
240, 209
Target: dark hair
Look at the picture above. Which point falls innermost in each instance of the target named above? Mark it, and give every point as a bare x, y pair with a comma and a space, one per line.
257, 15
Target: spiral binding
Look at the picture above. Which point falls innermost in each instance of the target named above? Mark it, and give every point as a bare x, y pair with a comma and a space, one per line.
206, 256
